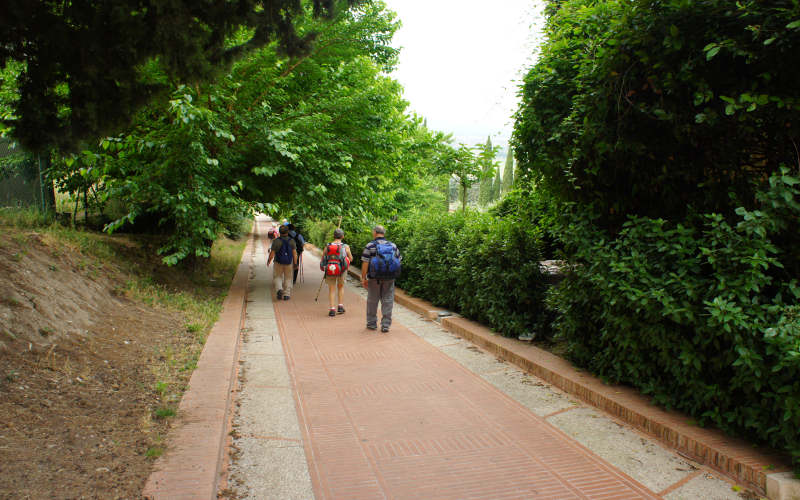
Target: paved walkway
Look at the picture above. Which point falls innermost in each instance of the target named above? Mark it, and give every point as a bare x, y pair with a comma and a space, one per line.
348, 413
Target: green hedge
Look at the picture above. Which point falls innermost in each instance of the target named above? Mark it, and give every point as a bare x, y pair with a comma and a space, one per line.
318, 232
480, 265
701, 317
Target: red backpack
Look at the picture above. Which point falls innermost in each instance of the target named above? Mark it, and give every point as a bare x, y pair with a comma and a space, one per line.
334, 260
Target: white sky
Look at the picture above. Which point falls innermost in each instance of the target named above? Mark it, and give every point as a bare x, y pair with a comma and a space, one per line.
462, 61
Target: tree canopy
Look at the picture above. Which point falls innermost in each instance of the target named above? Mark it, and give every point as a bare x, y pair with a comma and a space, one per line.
88, 66
324, 132
662, 107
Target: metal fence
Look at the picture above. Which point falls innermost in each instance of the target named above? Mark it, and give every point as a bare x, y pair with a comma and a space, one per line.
22, 183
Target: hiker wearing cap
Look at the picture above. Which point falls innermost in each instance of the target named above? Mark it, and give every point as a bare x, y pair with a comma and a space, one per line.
284, 253
380, 265
336, 258
299, 243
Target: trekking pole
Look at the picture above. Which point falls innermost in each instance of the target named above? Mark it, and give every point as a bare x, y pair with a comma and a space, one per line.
320, 286
302, 273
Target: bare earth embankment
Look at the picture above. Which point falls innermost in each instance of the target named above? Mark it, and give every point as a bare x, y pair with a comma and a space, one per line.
97, 342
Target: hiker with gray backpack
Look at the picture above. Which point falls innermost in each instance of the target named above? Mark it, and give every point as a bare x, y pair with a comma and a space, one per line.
336, 258
380, 265
284, 252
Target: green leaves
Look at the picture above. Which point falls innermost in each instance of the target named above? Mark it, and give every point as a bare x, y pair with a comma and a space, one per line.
323, 131
714, 297
625, 113
76, 92
444, 262
711, 50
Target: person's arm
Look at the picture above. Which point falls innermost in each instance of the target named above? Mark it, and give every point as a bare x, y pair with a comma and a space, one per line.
364, 269
349, 254
365, 256
294, 256
271, 256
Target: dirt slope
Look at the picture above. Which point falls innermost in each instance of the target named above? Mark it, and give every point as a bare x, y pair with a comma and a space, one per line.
78, 370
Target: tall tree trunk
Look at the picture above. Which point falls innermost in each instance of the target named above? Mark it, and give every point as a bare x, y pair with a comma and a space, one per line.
86, 207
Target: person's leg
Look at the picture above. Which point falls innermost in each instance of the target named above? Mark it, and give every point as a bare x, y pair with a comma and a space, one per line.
287, 280
277, 277
331, 281
373, 296
387, 303
340, 291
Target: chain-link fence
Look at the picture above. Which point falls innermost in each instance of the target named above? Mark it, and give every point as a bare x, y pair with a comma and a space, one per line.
22, 183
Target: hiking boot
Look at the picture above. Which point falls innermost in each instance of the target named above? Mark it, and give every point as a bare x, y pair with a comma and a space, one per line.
385, 329
285, 297
340, 310
332, 313
280, 294
372, 327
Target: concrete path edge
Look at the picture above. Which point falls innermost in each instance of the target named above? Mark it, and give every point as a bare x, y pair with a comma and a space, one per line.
197, 443
765, 471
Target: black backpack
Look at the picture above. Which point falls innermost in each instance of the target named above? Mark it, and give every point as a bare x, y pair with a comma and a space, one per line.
299, 241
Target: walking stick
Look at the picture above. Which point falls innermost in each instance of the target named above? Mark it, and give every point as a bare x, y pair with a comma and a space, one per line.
320, 286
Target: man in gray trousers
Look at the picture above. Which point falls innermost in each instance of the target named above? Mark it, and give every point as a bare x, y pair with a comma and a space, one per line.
380, 265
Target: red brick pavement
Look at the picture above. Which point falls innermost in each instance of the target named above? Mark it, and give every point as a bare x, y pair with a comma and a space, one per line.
390, 416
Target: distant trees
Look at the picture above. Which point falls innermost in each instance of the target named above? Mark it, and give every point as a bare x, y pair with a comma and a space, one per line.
486, 153
462, 165
508, 173
486, 183
497, 186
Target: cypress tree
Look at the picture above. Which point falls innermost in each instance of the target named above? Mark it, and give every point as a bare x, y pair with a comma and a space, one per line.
486, 159
508, 172
497, 186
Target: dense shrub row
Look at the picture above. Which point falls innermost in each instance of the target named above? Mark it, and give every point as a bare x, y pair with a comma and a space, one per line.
702, 316
318, 232
483, 266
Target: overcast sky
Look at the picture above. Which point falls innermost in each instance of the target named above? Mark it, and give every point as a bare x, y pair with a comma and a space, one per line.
462, 61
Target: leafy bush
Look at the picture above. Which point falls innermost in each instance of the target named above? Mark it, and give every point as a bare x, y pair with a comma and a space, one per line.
319, 232
699, 316
659, 107
470, 262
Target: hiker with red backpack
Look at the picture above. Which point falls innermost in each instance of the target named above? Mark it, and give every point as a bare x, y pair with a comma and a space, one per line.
380, 265
336, 258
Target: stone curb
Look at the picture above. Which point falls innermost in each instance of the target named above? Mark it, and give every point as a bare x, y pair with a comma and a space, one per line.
766, 472
192, 467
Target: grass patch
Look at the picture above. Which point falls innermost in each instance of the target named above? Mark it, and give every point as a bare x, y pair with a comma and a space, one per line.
154, 452
194, 327
161, 387
164, 412
25, 218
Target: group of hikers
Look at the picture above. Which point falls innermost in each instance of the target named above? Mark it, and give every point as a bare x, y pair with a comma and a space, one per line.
380, 265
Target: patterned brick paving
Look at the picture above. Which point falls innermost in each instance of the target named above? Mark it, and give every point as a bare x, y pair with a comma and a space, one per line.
390, 416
